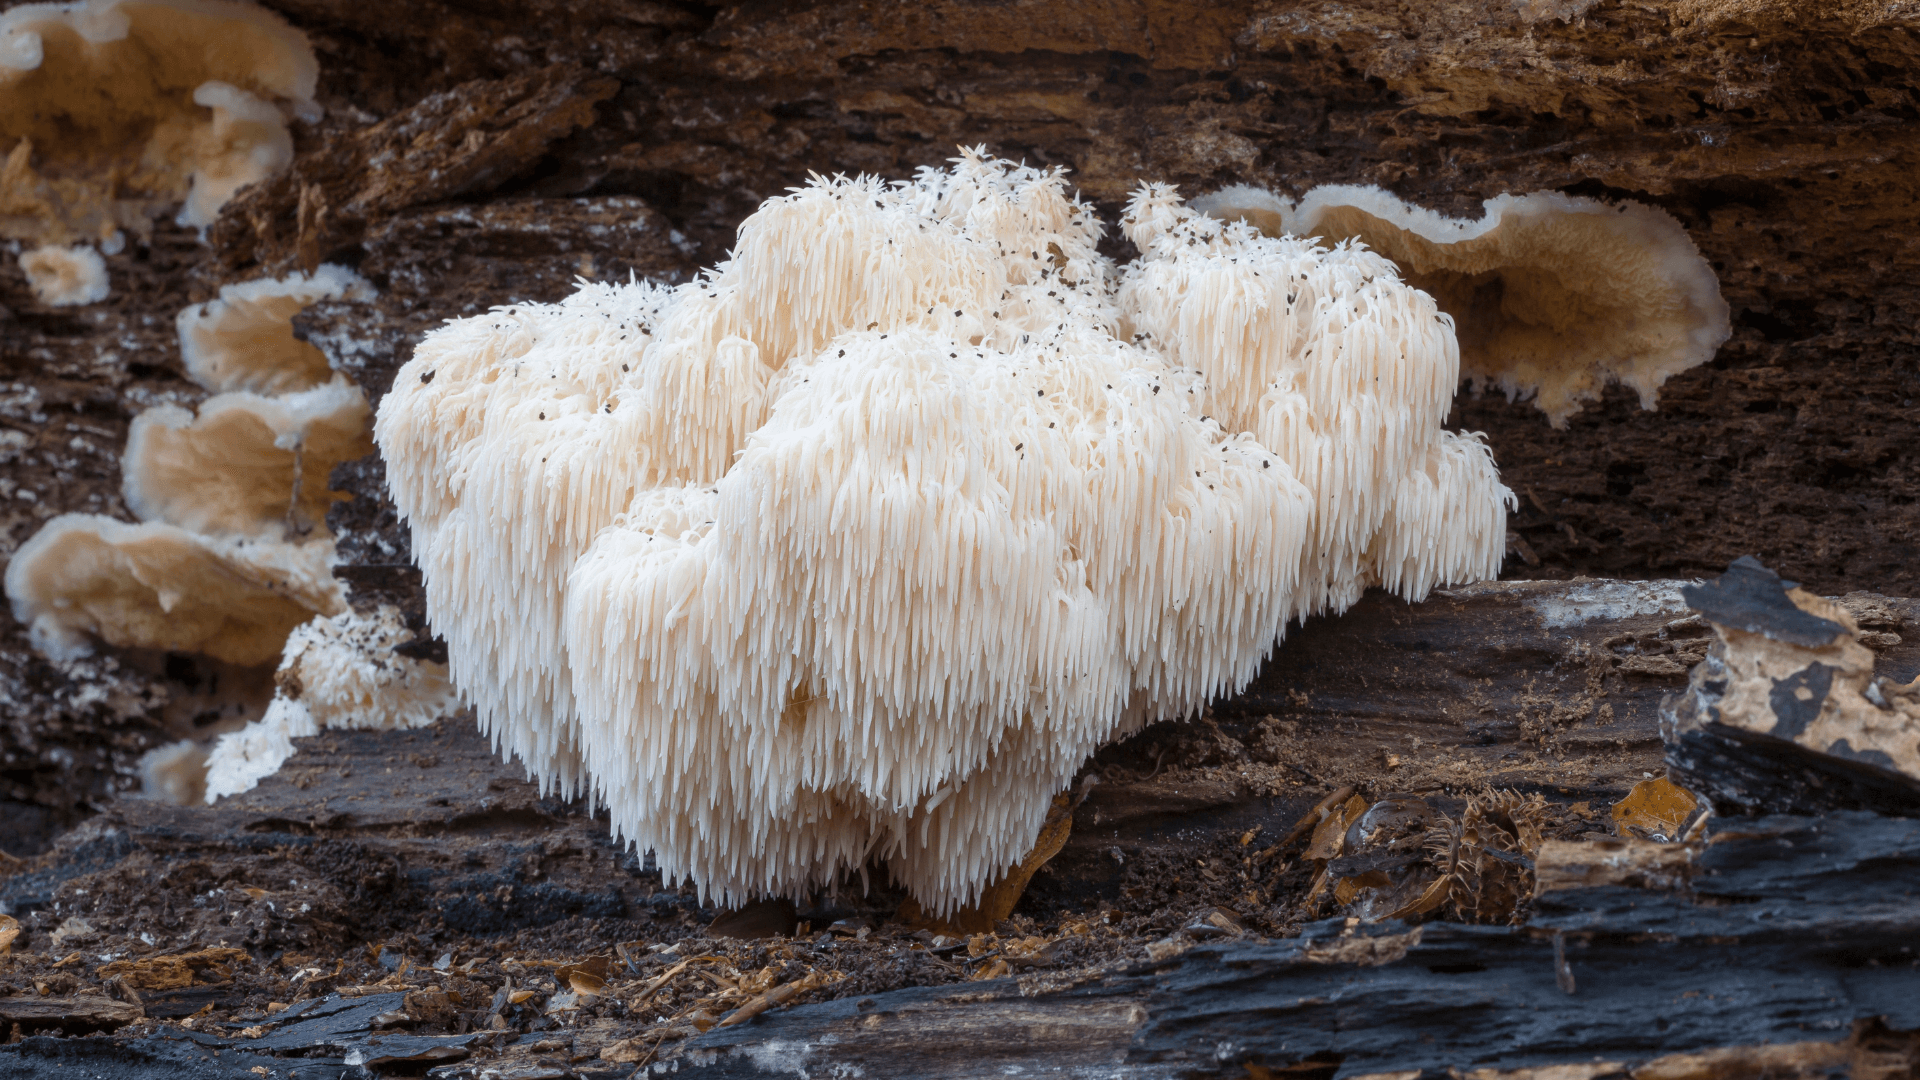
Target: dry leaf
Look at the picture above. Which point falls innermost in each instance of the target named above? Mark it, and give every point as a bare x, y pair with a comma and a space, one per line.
9, 930
624, 1052
173, 972
779, 995
586, 977
1309, 820
1329, 837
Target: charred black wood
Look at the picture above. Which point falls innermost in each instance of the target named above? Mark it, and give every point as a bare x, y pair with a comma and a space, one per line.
1791, 930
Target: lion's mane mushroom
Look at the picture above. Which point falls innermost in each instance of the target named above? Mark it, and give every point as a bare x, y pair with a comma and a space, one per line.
65, 276
858, 545
113, 109
1553, 295
339, 672
244, 340
247, 464
1343, 372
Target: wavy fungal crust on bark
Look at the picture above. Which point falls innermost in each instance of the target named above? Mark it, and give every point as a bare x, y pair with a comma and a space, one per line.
233, 551
1554, 296
243, 339
111, 110
858, 545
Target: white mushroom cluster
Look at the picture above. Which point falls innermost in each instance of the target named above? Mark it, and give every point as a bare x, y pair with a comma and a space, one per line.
335, 673
858, 545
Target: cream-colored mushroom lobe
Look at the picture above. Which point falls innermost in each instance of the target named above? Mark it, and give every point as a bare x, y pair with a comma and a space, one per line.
112, 111
1553, 296
158, 586
247, 464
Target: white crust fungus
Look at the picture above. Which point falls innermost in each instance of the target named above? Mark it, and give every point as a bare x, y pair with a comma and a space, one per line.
243, 340
65, 276
247, 465
1554, 296
339, 672
858, 545
113, 109
158, 586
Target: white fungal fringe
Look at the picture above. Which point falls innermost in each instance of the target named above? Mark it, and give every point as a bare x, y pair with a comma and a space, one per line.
859, 545
335, 673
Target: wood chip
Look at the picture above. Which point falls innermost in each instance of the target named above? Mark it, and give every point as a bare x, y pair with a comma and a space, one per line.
81, 1011
779, 995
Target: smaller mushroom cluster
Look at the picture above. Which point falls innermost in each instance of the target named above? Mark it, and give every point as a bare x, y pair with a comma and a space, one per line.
1553, 296
230, 551
113, 110
66, 276
336, 672
230, 557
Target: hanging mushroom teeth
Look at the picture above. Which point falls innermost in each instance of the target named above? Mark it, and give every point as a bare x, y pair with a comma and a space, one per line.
894, 520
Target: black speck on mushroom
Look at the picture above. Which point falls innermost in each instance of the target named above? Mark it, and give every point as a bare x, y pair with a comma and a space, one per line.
426, 377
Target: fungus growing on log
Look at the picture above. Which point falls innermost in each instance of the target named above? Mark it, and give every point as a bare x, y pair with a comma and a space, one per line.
158, 586
247, 465
1554, 296
339, 672
233, 553
858, 545
111, 110
175, 773
65, 276
243, 340
1334, 364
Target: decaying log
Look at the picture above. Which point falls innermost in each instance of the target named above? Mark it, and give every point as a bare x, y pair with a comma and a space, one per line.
1770, 943
80, 1013
1780, 930
1787, 712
